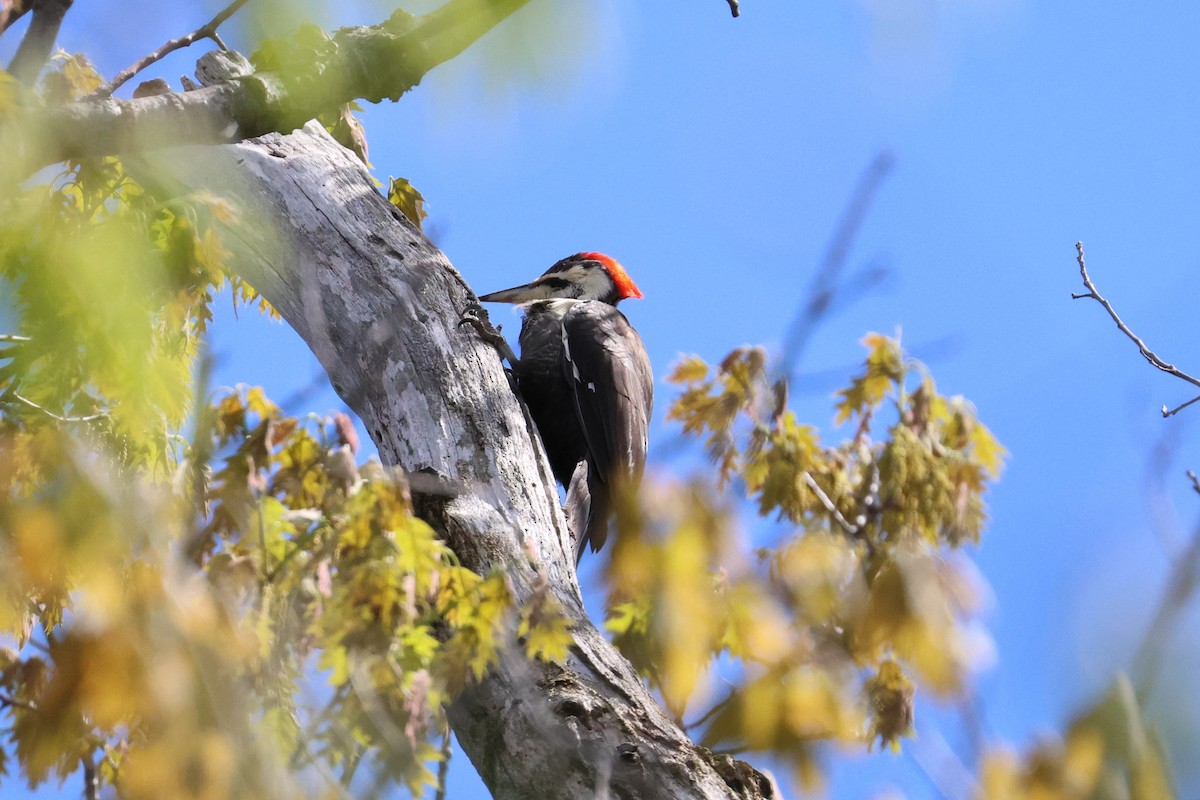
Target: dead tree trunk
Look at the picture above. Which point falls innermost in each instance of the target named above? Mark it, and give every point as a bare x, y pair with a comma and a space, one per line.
379, 306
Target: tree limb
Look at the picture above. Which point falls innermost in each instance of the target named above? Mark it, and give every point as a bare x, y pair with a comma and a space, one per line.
1146, 352
35, 48
367, 63
206, 31
379, 305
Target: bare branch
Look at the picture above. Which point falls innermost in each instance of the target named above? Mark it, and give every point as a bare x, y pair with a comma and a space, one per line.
35, 48
851, 530
206, 31
712, 712
5, 700
942, 766
1160, 508
444, 764
733, 7
1147, 353
91, 782
57, 417
1178, 408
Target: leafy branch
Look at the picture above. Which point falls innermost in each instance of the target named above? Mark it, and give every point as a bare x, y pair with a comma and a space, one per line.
299, 80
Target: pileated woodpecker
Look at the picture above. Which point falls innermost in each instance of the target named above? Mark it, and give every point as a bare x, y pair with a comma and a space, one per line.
585, 376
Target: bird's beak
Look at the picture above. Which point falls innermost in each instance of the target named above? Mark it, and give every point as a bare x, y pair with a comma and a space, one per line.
518, 294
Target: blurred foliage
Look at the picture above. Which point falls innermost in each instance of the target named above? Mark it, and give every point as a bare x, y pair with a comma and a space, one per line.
861, 596
203, 597
828, 629
1108, 753
110, 290
314, 623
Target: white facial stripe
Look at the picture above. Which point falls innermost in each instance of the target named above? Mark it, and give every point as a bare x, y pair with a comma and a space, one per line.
584, 283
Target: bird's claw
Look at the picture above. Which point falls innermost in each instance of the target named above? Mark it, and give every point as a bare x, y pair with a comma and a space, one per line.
476, 316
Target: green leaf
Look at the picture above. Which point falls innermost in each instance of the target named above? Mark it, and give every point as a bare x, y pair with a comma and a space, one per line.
882, 371
404, 196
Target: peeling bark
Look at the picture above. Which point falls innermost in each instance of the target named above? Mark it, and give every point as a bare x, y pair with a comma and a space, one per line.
379, 306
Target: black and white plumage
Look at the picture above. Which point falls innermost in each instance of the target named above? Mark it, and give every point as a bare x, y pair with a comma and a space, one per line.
586, 379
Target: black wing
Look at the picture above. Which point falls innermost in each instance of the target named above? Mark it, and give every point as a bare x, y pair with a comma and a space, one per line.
605, 363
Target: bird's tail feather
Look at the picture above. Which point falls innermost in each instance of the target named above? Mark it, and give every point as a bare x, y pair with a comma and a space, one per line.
587, 510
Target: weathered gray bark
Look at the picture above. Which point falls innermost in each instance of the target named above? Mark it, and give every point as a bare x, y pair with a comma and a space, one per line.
379, 306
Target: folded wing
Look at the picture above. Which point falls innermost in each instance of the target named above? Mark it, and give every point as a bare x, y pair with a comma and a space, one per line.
605, 363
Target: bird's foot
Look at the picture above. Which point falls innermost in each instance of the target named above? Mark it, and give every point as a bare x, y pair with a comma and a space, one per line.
476, 316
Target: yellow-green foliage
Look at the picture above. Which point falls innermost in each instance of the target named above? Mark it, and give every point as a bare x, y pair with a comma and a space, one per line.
1107, 753
110, 286
854, 604
858, 600
201, 597
206, 598
125, 653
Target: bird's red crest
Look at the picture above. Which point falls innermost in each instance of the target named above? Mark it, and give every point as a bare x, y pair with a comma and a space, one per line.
620, 277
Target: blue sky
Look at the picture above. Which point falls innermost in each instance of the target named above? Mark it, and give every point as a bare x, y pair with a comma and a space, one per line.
713, 157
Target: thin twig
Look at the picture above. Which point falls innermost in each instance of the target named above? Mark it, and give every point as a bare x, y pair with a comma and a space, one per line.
13, 337
51, 414
850, 529
971, 712
942, 767
1178, 408
444, 766
6, 700
206, 31
1146, 352
1195, 481
711, 712
298, 401
826, 286
91, 785
1160, 509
